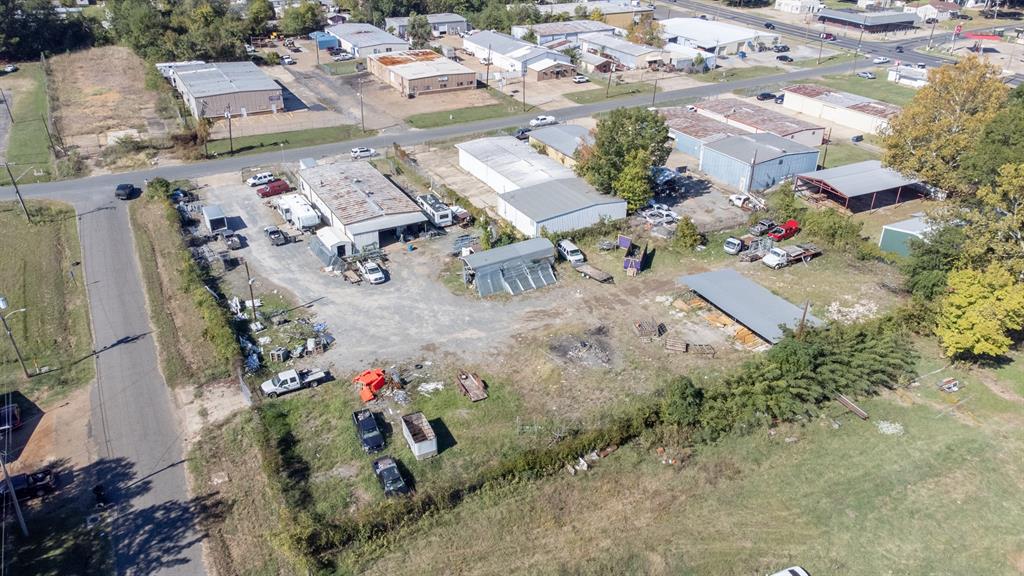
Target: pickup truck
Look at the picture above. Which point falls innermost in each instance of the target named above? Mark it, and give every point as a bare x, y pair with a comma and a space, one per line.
32, 485
371, 272
761, 228
370, 436
782, 256
785, 230
389, 476
291, 380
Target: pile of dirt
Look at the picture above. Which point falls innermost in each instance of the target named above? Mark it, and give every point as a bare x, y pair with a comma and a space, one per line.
590, 349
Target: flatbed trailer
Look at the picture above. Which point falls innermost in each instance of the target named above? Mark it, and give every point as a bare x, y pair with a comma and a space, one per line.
472, 386
594, 273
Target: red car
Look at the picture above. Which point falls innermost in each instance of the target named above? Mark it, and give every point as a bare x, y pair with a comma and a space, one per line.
785, 230
273, 188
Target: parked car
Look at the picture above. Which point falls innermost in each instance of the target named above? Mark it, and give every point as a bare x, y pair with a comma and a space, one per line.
523, 133
785, 230
260, 178
580, 79
543, 121
659, 217
273, 188
342, 57
362, 152
765, 96
769, 25
371, 272
793, 571
828, 36
866, 75
733, 245
899, 49
10, 68
124, 191
370, 436
291, 380
34, 485
922, 65
880, 60
963, 17
761, 228
389, 476
780, 98
931, 20
572, 254
780, 48
783, 58
275, 235
287, 60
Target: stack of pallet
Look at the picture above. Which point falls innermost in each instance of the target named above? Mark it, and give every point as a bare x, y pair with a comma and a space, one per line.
747, 338
719, 319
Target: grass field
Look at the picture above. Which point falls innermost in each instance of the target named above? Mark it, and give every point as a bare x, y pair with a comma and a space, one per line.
835, 495
287, 140
506, 106
186, 356
840, 153
40, 272
730, 74
827, 60
28, 147
879, 88
617, 90
342, 68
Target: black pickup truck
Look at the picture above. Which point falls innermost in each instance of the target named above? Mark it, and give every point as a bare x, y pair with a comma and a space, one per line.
390, 477
369, 433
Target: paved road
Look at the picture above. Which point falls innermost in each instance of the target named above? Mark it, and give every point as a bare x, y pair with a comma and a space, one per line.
133, 420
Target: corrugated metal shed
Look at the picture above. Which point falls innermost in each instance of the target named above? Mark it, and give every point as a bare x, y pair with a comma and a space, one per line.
748, 302
505, 163
867, 19
564, 138
363, 35
763, 147
356, 191
860, 178
215, 78
545, 201
758, 118
532, 249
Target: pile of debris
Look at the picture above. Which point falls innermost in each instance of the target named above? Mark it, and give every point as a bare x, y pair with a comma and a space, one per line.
584, 462
591, 350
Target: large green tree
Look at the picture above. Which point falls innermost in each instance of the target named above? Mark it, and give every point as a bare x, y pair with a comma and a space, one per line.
981, 312
933, 133
1001, 142
302, 19
633, 183
259, 12
419, 31
31, 27
995, 222
622, 132
931, 260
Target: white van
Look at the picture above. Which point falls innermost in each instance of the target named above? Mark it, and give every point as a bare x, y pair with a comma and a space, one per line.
571, 253
260, 179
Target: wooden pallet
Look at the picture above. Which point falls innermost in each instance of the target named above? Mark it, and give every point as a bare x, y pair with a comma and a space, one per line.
472, 386
705, 349
676, 345
648, 330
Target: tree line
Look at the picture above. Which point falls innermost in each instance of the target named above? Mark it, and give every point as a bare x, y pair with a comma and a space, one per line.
29, 28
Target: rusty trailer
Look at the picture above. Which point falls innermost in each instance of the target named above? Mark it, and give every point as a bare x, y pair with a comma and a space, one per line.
472, 386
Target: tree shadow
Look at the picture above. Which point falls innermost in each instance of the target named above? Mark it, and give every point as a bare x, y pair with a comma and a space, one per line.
14, 441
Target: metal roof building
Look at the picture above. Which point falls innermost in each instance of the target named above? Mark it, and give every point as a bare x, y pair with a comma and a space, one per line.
561, 141
365, 39
896, 237
621, 13
359, 202
851, 110
860, 186
558, 206
550, 31
714, 36
440, 24
212, 89
755, 161
869, 21
748, 303
507, 164
691, 130
626, 53
758, 119
513, 269
508, 54
416, 72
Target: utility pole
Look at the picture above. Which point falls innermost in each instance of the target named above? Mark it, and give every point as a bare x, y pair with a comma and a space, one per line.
3, 318
17, 191
7, 105
524, 89
362, 121
49, 137
252, 296
821, 42
231, 137
803, 319
608, 88
828, 139
487, 73
932, 33
14, 497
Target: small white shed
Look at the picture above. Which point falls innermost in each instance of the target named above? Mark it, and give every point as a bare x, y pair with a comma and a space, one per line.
420, 436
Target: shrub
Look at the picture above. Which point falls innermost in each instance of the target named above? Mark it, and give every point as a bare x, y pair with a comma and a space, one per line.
72, 166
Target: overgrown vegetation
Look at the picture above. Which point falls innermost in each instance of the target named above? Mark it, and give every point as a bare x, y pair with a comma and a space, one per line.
28, 147
627, 143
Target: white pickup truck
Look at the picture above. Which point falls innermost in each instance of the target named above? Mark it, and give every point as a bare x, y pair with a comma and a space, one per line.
371, 272
291, 380
782, 256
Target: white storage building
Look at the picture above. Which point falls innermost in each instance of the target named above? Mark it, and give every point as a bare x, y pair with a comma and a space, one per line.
365, 39
357, 201
558, 206
714, 36
508, 54
798, 6
550, 31
850, 110
507, 164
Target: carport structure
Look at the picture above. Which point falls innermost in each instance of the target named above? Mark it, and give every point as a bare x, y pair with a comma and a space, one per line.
860, 186
748, 303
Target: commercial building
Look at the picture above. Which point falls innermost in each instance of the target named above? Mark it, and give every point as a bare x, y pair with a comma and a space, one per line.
850, 110
548, 69
506, 164
754, 162
798, 6
860, 186
418, 72
868, 21
366, 39
362, 207
758, 119
558, 206
691, 131
908, 76
748, 303
217, 88
512, 269
896, 237
440, 25
627, 54
937, 10
596, 64
621, 14
508, 54
551, 31
714, 36
561, 141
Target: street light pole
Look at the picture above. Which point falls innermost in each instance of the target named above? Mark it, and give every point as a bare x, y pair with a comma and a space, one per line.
14, 344
17, 191
362, 121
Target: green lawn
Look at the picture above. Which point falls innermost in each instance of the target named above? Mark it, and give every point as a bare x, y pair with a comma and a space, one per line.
879, 88
840, 153
603, 92
342, 68
506, 106
730, 74
827, 60
287, 140
28, 147
40, 272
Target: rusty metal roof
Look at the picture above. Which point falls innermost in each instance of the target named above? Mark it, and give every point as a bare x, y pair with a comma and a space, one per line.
696, 125
356, 191
757, 117
846, 100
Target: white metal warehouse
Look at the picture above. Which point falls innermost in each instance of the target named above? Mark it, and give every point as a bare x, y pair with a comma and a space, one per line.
212, 90
558, 206
507, 164
359, 203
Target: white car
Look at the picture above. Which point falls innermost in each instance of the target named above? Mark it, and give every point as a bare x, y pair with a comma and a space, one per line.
10, 68
287, 60
580, 79
659, 217
866, 75
793, 571
543, 121
361, 152
738, 200
260, 179
881, 60
572, 254
372, 272
342, 57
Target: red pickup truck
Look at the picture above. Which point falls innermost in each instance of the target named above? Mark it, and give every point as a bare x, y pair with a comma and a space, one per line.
785, 230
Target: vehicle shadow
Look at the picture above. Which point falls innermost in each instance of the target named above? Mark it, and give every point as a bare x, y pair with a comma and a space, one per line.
13, 442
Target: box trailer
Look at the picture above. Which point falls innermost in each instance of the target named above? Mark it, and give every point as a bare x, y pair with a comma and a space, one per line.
439, 213
214, 219
297, 211
420, 436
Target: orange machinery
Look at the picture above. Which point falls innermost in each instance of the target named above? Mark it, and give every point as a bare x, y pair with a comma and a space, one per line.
370, 382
